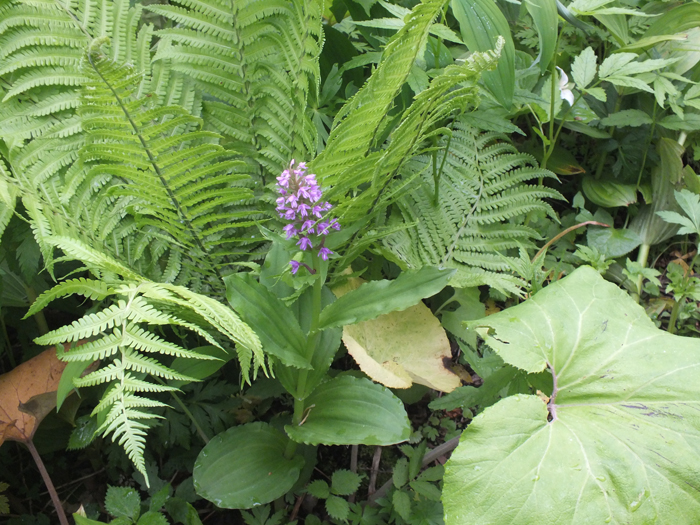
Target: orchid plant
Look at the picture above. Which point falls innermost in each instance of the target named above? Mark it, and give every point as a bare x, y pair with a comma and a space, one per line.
299, 323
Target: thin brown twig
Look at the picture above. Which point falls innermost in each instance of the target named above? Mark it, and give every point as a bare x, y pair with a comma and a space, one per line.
375, 470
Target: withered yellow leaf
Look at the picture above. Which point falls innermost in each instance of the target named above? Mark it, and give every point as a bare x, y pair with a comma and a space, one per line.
401, 348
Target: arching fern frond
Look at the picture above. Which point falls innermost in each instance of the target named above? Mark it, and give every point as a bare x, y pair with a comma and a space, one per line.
473, 218
258, 62
357, 124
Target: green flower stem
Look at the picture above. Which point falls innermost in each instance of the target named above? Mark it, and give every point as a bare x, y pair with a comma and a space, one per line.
671, 329
299, 405
641, 259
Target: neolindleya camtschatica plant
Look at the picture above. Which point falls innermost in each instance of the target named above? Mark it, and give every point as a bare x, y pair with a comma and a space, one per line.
300, 204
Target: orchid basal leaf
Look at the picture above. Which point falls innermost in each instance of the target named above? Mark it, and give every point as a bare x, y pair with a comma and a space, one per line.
619, 441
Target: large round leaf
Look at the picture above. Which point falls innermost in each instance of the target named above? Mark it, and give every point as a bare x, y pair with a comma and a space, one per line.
619, 442
245, 466
348, 411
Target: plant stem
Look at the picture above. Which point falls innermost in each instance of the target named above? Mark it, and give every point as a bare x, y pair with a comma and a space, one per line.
299, 405
671, 329
642, 257
47, 481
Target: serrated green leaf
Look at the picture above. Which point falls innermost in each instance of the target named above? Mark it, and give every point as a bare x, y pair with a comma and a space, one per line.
624, 415
613, 242
435, 473
344, 482
425, 489
84, 432
123, 502
400, 474
689, 122
245, 467
319, 489
337, 508
347, 410
627, 117
598, 93
401, 502
376, 298
481, 23
584, 68
267, 315
152, 518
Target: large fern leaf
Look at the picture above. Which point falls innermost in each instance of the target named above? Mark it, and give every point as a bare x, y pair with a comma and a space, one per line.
474, 217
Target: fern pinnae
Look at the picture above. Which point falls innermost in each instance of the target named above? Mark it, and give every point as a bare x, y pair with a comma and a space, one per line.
89, 288
87, 326
152, 160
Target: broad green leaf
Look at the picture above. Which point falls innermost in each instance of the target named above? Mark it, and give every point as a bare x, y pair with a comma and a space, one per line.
612, 242
376, 298
337, 508
607, 193
65, 385
245, 466
614, 63
327, 344
199, 368
152, 518
584, 68
619, 442
689, 122
676, 20
400, 348
352, 411
651, 228
344, 482
481, 23
269, 317
544, 15
123, 502
627, 117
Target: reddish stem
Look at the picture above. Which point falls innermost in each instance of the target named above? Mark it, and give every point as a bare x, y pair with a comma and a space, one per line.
47, 480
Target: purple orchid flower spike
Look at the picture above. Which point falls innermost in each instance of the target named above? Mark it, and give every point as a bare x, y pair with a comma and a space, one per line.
300, 204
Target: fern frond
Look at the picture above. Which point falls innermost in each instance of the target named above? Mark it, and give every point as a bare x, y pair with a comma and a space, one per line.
357, 123
472, 218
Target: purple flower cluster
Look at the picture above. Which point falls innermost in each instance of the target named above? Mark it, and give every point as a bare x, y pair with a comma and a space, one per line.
300, 204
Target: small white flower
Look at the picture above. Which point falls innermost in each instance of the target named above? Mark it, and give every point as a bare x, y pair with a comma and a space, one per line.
565, 88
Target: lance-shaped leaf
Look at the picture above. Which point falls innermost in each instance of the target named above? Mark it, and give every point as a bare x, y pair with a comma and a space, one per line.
376, 298
246, 466
544, 15
619, 441
272, 321
352, 411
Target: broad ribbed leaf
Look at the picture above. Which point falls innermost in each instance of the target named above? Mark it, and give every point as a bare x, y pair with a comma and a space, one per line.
481, 23
272, 321
245, 467
376, 298
619, 442
352, 411
544, 15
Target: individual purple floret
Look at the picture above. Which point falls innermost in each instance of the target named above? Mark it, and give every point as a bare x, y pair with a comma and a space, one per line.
300, 204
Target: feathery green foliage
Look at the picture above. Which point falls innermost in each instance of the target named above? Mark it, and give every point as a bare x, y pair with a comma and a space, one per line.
474, 215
